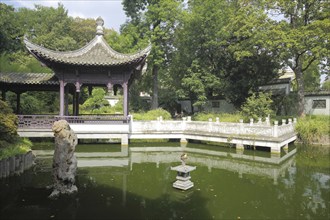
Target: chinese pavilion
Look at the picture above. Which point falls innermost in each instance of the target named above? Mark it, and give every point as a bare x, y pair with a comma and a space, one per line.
95, 64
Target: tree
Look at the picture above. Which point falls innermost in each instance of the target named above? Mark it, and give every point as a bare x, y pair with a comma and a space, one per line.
97, 104
10, 30
156, 21
223, 50
82, 30
95, 101
326, 83
303, 37
48, 26
312, 77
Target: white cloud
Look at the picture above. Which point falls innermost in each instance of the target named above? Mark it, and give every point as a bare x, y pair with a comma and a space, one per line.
110, 10
77, 14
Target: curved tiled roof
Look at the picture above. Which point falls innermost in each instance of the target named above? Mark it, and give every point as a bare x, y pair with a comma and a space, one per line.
96, 53
29, 78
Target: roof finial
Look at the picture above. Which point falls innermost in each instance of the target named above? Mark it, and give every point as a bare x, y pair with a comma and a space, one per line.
99, 28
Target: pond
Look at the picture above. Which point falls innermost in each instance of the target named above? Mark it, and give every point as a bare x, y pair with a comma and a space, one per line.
116, 183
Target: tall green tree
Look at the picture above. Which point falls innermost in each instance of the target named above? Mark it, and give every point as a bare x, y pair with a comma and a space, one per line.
303, 37
10, 30
156, 20
48, 26
222, 50
82, 30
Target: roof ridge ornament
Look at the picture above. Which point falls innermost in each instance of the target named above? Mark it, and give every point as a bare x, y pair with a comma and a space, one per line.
99, 28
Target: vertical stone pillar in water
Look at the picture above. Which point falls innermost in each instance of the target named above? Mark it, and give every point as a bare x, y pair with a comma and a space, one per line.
64, 160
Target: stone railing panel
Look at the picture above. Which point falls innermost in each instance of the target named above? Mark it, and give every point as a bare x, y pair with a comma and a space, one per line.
226, 128
157, 126
196, 126
285, 129
257, 130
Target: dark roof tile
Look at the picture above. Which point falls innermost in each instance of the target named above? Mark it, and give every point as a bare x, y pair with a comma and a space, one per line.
29, 78
95, 53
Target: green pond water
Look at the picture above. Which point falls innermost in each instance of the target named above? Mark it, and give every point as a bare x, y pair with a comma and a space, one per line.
116, 183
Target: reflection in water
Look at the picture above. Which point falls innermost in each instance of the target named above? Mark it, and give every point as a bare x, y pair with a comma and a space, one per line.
138, 185
235, 162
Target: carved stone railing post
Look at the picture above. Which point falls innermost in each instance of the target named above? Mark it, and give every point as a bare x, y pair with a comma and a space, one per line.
183, 140
259, 121
267, 121
210, 125
241, 126
283, 121
184, 123
275, 131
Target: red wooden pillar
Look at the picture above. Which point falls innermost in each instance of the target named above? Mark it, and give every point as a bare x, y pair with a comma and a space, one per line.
76, 103
77, 93
18, 103
66, 101
125, 88
62, 85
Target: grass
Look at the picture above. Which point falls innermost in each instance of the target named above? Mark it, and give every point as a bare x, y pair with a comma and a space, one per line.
313, 128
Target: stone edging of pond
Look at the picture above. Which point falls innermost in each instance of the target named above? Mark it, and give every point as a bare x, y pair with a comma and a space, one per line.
16, 165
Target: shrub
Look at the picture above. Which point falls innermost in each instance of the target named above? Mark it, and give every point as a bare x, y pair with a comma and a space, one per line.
152, 115
8, 125
258, 105
223, 117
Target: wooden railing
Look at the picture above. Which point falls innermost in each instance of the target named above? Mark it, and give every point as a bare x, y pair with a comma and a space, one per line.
46, 121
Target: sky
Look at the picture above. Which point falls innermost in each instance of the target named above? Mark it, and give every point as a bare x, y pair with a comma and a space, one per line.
110, 10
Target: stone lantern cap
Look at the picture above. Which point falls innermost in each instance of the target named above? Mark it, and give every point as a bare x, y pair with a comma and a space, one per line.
183, 168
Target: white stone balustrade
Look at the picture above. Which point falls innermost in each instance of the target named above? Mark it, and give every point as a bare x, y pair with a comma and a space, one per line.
210, 127
240, 134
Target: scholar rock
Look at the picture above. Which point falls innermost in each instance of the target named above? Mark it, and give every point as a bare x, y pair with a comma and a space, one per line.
64, 160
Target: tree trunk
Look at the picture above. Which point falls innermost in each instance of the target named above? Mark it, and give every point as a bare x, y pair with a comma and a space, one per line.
154, 102
300, 87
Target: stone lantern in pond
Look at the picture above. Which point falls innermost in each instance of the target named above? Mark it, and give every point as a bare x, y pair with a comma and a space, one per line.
183, 174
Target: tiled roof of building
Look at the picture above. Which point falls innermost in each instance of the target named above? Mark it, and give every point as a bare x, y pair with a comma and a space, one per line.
96, 53
29, 78
318, 93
